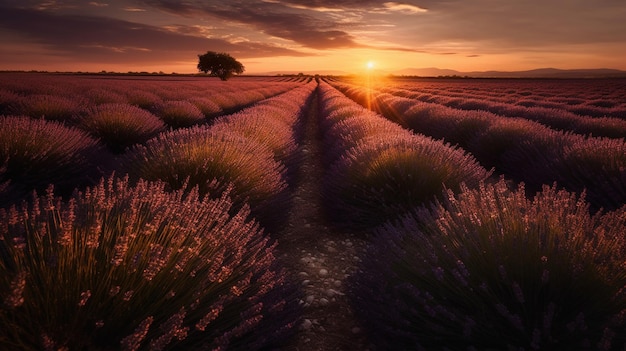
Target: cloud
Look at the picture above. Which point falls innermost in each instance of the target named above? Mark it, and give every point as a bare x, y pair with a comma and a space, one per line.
509, 25
404, 8
305, 6
52, 5
343, 4
300, 28
272, 18
102, 39
134, 9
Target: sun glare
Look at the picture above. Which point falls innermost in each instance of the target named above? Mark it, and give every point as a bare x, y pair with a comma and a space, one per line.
370, 64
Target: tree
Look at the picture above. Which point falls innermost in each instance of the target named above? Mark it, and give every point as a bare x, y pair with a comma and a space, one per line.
220, 65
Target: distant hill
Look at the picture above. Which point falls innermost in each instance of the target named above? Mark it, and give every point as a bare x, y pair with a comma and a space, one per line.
308, 73
535, 73
439, 72
427, 72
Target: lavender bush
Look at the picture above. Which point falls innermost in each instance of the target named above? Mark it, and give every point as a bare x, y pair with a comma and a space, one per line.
349, 132
385, 176
597, 166
502, 136
226, 101
211, 159
104, 96
489, 269
36, 153
50, 107
179, 113
209, 108
275, 122
263, 129
121, 125
139, 268
8, 100
142, 98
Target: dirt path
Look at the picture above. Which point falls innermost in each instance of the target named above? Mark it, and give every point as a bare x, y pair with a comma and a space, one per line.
320, 256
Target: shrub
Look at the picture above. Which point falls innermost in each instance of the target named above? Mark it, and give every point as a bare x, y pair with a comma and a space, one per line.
384, 176
143, 99
210, 159
491, 270
209, 108
104, 96
532, 160
602, 126
263, 129
349, 132
393, 107
337, 112
50, 107
7, 190
502, 136
597, 166
121, 125
36, 153
465, 126
276, 123
138, 268
248, 97
178, 114
429, 119
226, 101
8, 100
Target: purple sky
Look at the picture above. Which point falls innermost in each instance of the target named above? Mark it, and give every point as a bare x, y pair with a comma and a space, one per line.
312, 35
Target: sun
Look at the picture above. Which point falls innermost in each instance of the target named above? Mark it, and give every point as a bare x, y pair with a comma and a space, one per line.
370, 64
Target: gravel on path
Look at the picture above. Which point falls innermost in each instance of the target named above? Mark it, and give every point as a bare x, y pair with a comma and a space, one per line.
320, 256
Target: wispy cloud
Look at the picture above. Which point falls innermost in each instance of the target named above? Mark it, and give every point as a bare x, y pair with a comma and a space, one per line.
98, 4
312, 8
270, 18
89, 38
134, 9
50, 5
404, 8
116, 49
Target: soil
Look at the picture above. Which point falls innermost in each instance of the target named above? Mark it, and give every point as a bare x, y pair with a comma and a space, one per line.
320, 256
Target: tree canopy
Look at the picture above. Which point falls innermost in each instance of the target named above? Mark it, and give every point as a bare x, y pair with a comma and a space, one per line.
219, 64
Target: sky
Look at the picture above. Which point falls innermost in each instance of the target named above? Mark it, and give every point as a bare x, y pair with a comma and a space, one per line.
308, 36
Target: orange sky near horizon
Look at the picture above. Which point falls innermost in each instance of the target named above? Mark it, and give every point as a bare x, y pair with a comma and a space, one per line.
310, 36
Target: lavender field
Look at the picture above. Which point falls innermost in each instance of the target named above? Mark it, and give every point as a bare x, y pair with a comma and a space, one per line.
166, 213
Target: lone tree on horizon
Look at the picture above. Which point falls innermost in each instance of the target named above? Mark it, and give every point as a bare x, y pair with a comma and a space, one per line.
220, 65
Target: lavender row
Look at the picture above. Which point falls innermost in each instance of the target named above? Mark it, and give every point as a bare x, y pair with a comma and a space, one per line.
169, 259
140, 268
251, 150
558, 119
596, 98
555, 118
490, 269
486, 267
376, 170
72, 99
37, 153
521, 149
